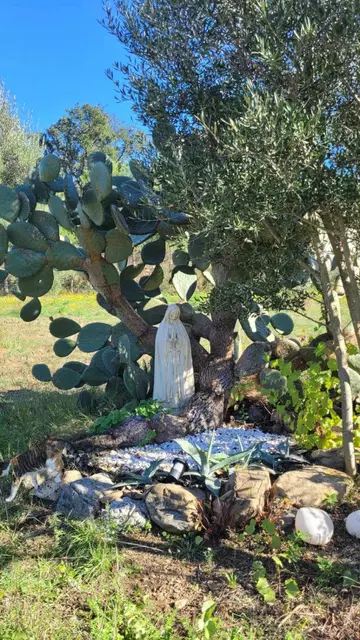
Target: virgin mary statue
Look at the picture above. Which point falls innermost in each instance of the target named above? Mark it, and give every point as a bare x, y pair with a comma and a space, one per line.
174, 374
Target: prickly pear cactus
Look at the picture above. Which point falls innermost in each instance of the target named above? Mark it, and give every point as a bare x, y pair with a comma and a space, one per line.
111, 216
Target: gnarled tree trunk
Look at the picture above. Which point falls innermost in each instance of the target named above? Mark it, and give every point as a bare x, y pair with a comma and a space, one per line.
214, 370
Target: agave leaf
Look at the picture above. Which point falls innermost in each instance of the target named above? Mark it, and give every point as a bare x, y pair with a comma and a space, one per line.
194, 452
243, 456
213, 485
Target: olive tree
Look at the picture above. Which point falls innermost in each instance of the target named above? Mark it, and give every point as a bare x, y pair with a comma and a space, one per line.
254, 110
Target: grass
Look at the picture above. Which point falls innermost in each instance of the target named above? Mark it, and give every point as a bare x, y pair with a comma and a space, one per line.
82, 581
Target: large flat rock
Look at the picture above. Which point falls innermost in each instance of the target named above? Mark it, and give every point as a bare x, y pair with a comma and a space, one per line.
310, 486
245, 495
173, 508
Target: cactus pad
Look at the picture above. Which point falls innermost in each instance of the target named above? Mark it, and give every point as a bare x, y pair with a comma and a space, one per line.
28, 191
119, 220
64, 256
100, 179
64, 346
31, 310
41, 372
154, 280
153, 311
49, 168
37, 285
273, 379
70, 192
118, 331
26, 236
197, 251
124, 349
24, 263
132, 271
282, 323
93, 207
118, 246
10, 204
184, 280
47, 224
154, 252
93, 336
63, 327
58, 210
75, 366
3, 243
94, 377
131, 289
66, 379
180, 258
92, 237
25, 209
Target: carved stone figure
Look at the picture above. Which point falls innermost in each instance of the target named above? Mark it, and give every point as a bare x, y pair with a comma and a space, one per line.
174, 374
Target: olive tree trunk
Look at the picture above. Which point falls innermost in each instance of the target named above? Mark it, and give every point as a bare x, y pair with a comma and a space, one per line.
214, 370
333, 309
338, 238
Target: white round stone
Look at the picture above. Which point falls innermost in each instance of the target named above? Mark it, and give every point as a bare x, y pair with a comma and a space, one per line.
315, 524
352, 524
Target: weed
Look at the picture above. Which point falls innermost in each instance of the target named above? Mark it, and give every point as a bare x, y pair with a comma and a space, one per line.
90, 546
231, 579
207, 624
330, 501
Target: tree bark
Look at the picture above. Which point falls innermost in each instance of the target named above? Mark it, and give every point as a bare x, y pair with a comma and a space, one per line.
337, 235
332, 305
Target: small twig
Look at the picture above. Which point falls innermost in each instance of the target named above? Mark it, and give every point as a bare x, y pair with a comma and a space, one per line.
141, 546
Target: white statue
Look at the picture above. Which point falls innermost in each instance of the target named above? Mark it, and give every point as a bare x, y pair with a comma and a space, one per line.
174, 373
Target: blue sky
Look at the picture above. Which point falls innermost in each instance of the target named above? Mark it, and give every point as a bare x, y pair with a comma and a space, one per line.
54, 55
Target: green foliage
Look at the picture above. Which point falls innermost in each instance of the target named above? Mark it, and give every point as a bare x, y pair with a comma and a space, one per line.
307, 403
207, 624
85, 128
19, 147
262, 583
145, 408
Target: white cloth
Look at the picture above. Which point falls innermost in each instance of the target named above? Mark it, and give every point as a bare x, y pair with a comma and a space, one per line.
174, 373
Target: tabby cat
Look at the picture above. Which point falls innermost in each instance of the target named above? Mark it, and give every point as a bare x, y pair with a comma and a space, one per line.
49, 457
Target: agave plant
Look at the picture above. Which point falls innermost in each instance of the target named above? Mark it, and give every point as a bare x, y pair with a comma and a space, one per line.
208, 465
137, 480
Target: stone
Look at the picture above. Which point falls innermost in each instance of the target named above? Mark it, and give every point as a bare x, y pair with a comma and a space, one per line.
81, 499
127, 513
101, 477
173, 508
352, 524
252, 360
70, 475
333, 458
286, 349
315, 524
245, 495
174, 382
113, 495
310, 486
47, 490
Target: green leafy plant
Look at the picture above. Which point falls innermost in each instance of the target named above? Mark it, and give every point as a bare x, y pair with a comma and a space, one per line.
145, 408
330, 501
207, 623
306, 405
261, 582
291, 588
231, 579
